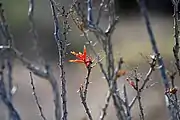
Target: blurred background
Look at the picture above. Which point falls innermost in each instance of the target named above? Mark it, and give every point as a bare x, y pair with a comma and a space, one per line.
16, 12
129, 40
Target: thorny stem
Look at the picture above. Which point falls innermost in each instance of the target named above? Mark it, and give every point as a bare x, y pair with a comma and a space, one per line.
146, 79
109, 51
8, 42
61, 50
7, 99
33, 28
149, 73
43, 73
174, 96
100, 11
176, 33
139, 96
140, 106
118, 102
10, 80
35, 97
5, 28
87, 81
83, 101
62, 53
120, 113
153, 43
83, 94
127, 103
160, 60
89, 15
173, 85
91, 47
3, 95
46, 74
104, 109
110, 60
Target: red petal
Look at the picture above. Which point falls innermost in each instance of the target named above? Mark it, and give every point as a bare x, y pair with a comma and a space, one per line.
74, 53
84, 52
77, 61
80, 56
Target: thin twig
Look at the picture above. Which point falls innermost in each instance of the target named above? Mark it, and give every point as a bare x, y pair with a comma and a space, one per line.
61, 50
46, 74
173, 96
109, 95
83, 93
89, 15
107, 46
5, 27
127, 103
153, 43
146, 79
93, 50
10, 79
87, 82
104, 109
83, 101
33, 29
3, 95
139, 96
176, 33
36, 98
7, 97
100, 11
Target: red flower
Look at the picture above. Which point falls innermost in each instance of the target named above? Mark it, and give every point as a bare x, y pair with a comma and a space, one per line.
82, 58
131, 83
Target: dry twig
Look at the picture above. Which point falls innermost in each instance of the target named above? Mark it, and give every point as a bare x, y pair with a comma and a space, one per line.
36, 98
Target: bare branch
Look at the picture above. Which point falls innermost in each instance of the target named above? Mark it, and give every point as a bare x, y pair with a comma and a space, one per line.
84, 102
89, 15
107, 46
5, 27
139, 96
100, 11
92, 48
36, 98
104, 109
132, 102
176, 33
44, 73
87, 82
146, 79
153, 43
127, 103
33, 30
3, 95
61, 50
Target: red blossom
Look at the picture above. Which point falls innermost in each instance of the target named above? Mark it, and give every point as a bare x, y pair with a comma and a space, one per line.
82, 58
131, 83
